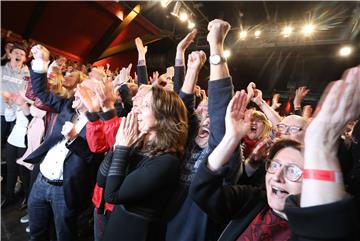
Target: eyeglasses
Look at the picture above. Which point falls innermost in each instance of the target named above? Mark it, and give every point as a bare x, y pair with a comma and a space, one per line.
283, 129
291, 172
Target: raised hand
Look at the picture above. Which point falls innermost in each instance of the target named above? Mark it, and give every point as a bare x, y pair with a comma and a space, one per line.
106, 95
196, 60
257, 99
237, 123
250, 90
128, 132
68, 130
340, 105
140, 48
40, 52
300, 93
275, 102
218, 30
155, 78
185, 42
123, 76
89, 98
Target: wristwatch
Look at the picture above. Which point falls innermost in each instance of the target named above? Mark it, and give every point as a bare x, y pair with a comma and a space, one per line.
216, 59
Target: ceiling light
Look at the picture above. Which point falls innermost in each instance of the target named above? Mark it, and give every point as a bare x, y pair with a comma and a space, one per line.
227, 53
183, 16
243, 35
191, 25
308, 29
257, 33
287, 31
345, 51
176, 9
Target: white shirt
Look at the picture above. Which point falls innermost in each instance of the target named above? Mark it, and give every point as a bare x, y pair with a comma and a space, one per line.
52, 165
18, 133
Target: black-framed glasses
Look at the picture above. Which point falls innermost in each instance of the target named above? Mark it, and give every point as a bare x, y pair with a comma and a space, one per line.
291, 172
283, 129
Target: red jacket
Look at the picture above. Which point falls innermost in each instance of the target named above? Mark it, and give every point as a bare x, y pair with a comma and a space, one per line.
100, 135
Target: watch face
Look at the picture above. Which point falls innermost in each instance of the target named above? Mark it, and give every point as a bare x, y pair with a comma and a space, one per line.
215, 59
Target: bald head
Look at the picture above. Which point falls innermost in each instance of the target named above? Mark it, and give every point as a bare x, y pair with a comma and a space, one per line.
293, 127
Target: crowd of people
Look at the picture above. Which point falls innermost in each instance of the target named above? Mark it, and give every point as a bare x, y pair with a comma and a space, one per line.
159, 158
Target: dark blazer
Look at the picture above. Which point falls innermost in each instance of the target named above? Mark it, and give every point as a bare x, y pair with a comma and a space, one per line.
80, 164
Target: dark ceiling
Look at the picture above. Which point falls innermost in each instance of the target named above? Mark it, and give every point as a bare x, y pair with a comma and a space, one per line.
84, 30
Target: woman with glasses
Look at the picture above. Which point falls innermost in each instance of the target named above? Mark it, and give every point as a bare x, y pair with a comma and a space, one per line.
324, 211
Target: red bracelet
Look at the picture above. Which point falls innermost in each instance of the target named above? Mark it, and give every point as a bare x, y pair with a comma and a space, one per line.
323, 175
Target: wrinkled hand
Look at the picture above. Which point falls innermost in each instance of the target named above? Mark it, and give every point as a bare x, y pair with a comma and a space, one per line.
40, 52
196, 60
237, 123
185, 42
340, 105
218, 30
68, 130
128, 132
300, 93
140, 47
89, 99
275, 102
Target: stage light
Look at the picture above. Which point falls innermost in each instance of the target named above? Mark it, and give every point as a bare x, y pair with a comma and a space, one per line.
287, 31
345, 51
183, 16
191, 25
308, 29
176, 9
227, 53
243, 35
257, 33
165, 3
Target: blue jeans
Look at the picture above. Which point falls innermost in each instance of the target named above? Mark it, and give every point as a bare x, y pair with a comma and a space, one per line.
45, 200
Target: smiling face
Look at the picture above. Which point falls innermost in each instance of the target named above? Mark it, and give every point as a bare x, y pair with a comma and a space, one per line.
71, 80
278, 187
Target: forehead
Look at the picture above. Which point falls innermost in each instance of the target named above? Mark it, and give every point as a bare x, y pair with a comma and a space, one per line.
18, 51
294, 120
289, 155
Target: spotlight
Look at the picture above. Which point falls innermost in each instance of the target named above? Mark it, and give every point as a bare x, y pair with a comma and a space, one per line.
308, 29
345, 51
243, 35
176, 9
257, 33
183, 16
227, 53
165, 3
287, 31
191, 25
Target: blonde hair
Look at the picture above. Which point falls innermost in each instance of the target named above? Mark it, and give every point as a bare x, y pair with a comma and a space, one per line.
267, 124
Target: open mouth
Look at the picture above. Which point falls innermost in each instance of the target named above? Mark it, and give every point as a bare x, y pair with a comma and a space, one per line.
203, 132
17, 59
280, 193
